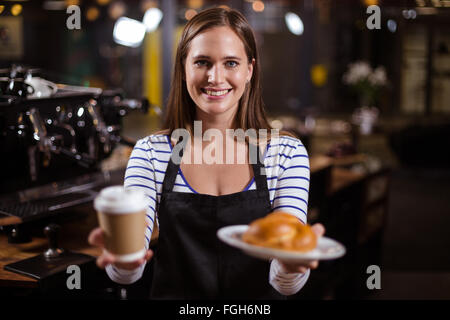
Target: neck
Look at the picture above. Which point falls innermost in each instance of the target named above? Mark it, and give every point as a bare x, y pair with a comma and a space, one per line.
220, 122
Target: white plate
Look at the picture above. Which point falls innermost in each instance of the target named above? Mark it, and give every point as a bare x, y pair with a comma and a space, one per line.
327, 249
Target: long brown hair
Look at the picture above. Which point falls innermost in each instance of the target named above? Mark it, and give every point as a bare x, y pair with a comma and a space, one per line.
180, 112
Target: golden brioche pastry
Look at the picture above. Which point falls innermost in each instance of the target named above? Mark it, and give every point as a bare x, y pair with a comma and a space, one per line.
280, 230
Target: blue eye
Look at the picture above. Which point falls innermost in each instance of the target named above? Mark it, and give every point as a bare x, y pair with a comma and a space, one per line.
201, 63
232, 64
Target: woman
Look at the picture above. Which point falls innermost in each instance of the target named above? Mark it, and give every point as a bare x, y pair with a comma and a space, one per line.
215, 84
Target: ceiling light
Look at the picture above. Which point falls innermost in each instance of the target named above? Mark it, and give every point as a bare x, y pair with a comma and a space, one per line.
92, 13
116, 10
16, 9
189, 14
294, 23
258, 6
103, 2
392, 25
195, 4
152, 18
129, 32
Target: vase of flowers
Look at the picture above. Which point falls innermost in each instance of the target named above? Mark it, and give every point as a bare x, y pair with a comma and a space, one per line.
367, 83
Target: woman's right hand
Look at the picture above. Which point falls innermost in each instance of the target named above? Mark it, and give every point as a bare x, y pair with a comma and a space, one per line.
96, 239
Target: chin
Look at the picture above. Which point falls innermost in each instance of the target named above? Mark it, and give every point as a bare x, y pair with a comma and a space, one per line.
215, 109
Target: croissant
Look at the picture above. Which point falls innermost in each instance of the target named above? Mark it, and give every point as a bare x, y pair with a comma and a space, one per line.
280, 230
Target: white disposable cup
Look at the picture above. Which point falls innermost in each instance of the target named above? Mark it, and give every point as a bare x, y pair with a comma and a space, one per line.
121, 214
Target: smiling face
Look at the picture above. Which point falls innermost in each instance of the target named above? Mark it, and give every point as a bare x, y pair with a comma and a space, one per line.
216, 71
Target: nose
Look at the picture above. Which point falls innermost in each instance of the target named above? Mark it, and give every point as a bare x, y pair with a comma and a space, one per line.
215, 74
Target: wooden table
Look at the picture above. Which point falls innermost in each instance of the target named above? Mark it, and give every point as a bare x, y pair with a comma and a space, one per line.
319, 162
73, 236
342, 178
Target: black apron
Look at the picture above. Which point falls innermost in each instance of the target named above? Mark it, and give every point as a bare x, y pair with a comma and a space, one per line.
190, 261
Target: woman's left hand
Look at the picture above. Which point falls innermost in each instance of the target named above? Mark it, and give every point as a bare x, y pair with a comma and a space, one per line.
319, 230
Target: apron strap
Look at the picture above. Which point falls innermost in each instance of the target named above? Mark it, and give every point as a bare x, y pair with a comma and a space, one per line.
172, 171
259, 170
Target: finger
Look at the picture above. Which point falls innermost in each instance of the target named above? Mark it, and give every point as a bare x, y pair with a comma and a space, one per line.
311, 265
295, 268
318, 229
285, 267
104, 260
96, 237
288, 268
148, 255
302, 269
314, 264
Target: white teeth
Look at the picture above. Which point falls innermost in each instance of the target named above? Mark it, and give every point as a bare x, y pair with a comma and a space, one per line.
216, 93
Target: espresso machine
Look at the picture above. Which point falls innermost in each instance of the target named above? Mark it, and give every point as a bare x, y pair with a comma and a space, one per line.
53, 138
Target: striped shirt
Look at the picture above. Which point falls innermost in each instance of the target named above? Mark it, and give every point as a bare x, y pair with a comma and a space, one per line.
287, 172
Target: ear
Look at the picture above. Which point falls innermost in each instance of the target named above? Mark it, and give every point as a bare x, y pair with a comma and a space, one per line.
250, 70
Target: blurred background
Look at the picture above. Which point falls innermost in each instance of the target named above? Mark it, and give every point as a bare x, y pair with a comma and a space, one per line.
365, 84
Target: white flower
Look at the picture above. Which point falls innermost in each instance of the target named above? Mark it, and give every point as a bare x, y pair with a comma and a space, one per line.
378, 77
357, 71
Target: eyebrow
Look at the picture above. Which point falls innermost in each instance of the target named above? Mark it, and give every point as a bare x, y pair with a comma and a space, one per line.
202, 56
